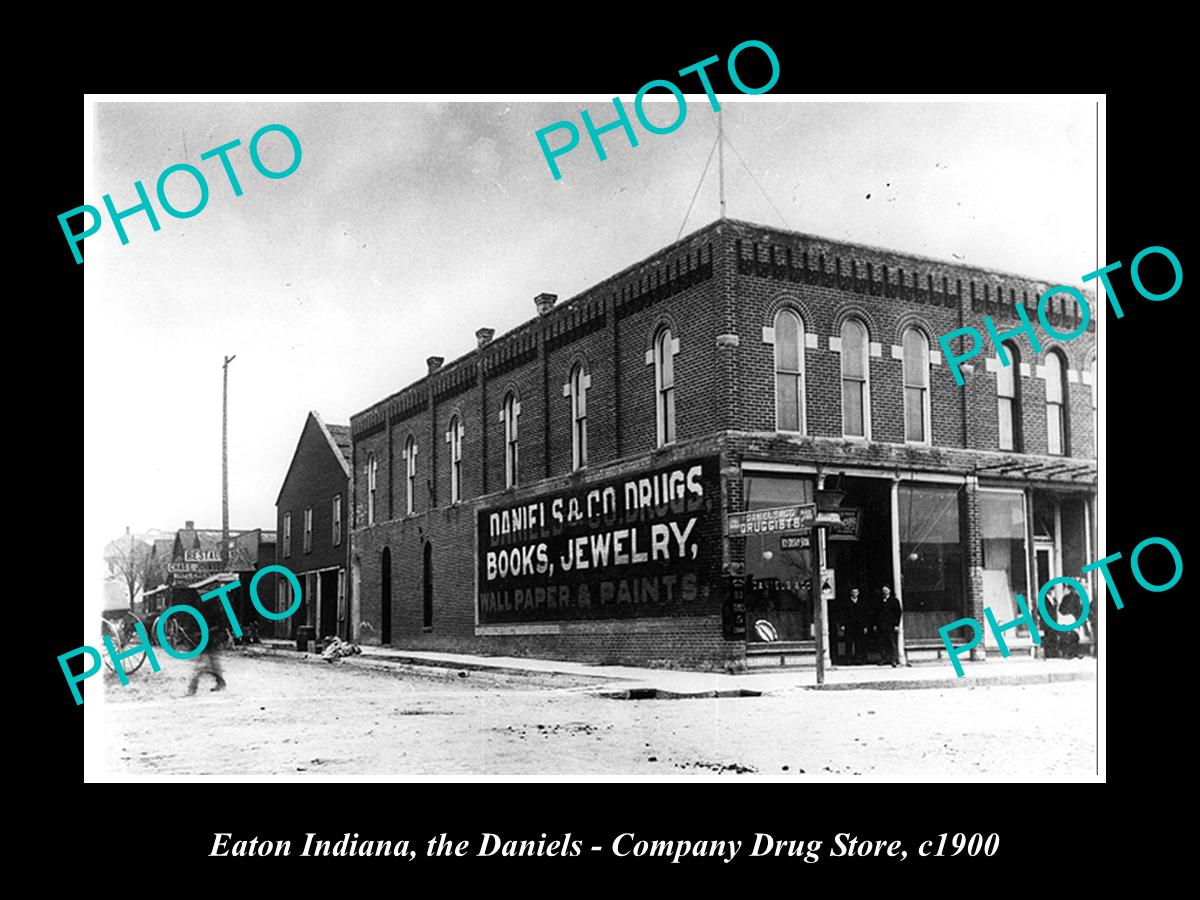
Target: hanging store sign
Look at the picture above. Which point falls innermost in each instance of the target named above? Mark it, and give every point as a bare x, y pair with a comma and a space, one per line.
777, 520
847, 529
646, 544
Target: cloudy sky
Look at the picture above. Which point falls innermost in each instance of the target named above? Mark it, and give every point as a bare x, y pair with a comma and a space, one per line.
408, 226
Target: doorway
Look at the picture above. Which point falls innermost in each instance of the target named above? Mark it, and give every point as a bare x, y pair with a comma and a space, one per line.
385, 597
860, 557
355, 600
1044, 562
428, 582
327, 624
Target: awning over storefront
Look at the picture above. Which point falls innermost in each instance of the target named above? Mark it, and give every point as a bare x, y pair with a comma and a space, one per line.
1065, 470
213, 580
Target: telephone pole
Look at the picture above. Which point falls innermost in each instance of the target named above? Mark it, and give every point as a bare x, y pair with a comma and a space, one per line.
225, 462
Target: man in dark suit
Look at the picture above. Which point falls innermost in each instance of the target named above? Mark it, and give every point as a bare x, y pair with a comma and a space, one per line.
889, 613
854, 620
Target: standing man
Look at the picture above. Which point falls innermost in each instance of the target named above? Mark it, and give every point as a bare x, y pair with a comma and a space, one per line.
890, 613
855, 620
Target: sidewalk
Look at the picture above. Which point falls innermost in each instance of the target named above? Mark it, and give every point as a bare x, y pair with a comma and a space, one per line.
632, 682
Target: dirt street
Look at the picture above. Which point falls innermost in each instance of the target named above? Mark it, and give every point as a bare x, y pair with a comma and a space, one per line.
283, 716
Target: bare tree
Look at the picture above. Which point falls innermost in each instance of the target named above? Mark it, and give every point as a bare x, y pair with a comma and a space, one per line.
129, 561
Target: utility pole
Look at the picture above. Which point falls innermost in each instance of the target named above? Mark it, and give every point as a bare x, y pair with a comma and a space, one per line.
225, 462
721, 162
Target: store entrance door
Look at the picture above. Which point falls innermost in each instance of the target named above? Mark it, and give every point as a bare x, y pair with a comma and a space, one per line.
1045, 566
860, 558
329, 602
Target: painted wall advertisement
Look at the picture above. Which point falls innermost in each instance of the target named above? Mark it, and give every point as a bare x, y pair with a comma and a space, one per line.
647, 544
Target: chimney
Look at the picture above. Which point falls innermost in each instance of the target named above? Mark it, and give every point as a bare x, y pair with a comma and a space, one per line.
545, 303
435, 363
189, 524
484, 336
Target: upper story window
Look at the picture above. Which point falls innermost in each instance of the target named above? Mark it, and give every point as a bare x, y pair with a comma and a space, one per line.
372, 471
578, 386
287, 534
410, 474
1056, 416
856, 394
916, 386
789, 372
454, 436
664, 383
509, 415
337, 520
308, 529
1008, 399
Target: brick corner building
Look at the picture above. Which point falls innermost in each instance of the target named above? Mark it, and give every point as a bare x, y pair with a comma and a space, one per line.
566, 489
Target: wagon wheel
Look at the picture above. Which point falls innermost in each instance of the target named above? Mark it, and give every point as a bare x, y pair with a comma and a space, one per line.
123, 635
109, 630
183, 633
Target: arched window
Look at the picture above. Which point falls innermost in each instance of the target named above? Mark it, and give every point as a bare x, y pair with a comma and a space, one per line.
410, 474
578, 388
789, 372
1008, 399
454, 437
664, 377
856, 394
1056, 392
372, 470
916, 386
509, 415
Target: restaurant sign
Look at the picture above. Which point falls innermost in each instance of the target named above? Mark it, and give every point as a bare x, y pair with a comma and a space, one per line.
210, 555
646, 544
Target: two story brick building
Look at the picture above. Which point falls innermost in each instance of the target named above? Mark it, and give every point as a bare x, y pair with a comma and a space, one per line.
566, 489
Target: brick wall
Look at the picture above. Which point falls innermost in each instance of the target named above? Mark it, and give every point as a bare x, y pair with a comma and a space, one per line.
450, 531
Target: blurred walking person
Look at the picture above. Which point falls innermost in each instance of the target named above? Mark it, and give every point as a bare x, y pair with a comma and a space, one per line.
210, 658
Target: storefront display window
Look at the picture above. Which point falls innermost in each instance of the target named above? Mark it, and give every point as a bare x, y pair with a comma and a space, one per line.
779, 566
1005, 554
931, 545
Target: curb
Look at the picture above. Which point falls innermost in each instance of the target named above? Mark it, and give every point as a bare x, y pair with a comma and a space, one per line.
444, 668
965, 682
